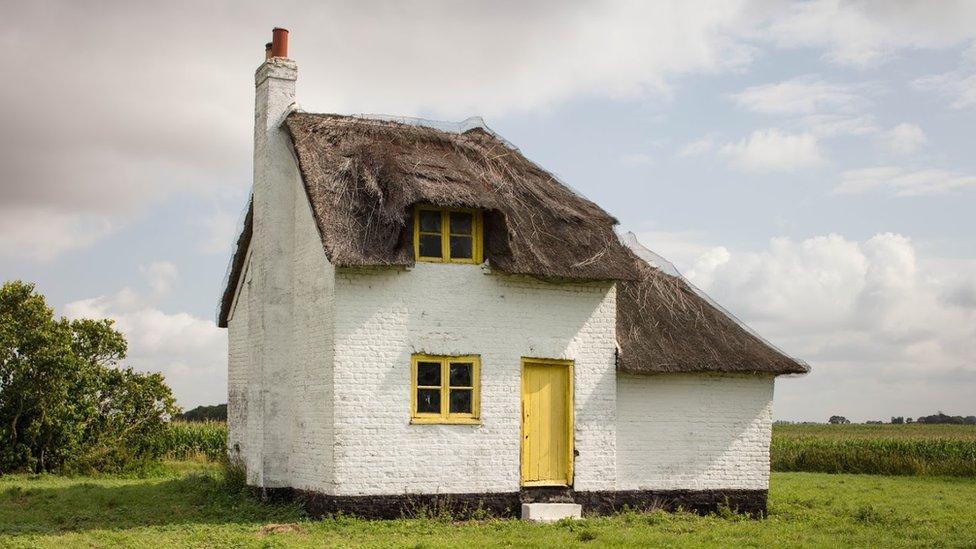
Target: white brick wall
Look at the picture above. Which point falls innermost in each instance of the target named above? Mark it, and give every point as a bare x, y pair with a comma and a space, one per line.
312, 393
384, 315
271, 325
692, 431
303, 398
237, 366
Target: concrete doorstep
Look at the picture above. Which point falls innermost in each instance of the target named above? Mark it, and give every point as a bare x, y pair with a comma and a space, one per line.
550, 512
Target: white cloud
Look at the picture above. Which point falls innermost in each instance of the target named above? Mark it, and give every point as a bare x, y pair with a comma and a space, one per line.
698, 147
832, 125
970, 54
961, 293
773, 150
190, 351
902, 182
160, 275
219, 231
42, 234
801, 95
165, 115
636, 159
862, 34
824, 109
705, 265
682, 248
905, 138
885, 330
958, 86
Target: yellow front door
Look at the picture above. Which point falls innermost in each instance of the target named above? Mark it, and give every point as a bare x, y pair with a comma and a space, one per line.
547, 422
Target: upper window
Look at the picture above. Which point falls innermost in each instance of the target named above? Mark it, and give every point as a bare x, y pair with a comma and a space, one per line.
447, 235
445, 389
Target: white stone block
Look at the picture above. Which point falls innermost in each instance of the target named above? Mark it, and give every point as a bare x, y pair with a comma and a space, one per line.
551, 512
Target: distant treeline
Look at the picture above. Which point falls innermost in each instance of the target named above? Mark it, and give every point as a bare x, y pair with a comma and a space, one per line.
941, 418
217, 412
935, 419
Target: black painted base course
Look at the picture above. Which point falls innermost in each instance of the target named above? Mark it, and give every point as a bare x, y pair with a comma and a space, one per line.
509, 504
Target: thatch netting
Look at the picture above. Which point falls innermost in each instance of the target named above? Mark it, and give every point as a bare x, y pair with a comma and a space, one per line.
236, 266
363, 177
664, 325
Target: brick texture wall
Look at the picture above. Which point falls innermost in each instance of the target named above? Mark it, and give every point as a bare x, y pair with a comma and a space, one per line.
698, 432
238, 357
311, 462
384, 315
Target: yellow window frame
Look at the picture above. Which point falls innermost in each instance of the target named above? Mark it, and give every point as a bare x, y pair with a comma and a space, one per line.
477, 235
445, 416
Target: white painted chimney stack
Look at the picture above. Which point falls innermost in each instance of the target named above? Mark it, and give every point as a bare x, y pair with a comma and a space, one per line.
276, 186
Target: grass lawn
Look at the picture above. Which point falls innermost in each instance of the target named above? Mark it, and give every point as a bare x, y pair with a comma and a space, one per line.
186, 505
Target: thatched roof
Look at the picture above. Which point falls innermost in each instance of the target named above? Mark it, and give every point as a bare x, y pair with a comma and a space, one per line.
363, 177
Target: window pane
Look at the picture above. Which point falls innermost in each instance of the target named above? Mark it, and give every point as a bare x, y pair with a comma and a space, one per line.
429, 374
430, 221
461, 222
460, 374
430, 245
461, 247
428, 401
460, 401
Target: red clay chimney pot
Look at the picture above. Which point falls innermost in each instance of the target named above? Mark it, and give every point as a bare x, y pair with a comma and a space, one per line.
279, 42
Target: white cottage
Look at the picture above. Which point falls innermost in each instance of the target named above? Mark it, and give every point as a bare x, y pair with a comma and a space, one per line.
421, 315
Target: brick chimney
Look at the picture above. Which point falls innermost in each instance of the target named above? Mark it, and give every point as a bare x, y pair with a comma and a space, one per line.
276, 186
274, 83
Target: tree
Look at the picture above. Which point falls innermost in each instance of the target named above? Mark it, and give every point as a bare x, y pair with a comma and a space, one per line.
838, 420
64, 401
942, 418
897, 420
216, 412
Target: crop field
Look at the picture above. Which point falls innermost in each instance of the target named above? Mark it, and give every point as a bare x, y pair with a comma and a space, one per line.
913, 449
911, 431
188, 504
187, 440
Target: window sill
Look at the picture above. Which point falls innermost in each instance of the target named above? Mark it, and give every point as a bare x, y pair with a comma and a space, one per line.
442, 421
447, 261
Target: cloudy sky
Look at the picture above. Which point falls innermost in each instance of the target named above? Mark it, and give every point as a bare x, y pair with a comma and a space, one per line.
811, 166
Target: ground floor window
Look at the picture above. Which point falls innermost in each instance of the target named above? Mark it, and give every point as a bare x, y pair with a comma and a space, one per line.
445, 389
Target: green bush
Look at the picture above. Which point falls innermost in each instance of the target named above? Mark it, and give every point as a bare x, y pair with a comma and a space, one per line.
66, 404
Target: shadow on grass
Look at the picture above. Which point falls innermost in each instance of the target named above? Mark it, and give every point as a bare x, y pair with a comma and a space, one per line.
121, 504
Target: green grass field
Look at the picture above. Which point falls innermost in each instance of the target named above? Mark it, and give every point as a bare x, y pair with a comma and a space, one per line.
186, 504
